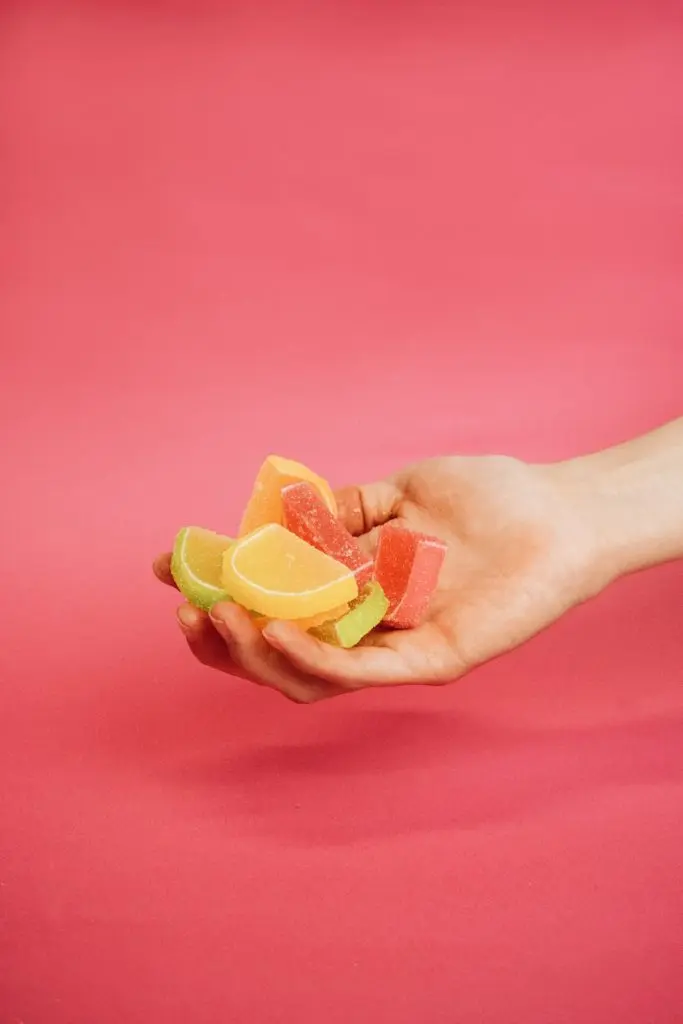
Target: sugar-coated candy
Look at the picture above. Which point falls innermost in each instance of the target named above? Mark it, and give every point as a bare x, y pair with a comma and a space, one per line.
366, 612
307, 515
407, 566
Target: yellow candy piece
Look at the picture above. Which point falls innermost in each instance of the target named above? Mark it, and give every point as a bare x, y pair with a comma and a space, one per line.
313, 620
276, 574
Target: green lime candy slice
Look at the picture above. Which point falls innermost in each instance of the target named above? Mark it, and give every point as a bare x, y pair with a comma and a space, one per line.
366, 612
196, 566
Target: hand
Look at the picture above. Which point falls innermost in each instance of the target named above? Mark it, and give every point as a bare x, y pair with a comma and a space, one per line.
520, 554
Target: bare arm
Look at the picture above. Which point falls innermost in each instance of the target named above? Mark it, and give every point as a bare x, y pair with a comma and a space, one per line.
525, 544
632, 495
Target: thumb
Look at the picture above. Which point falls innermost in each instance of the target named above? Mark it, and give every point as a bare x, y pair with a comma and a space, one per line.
362, 508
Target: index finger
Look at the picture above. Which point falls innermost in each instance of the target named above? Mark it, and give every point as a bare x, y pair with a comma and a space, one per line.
360, 508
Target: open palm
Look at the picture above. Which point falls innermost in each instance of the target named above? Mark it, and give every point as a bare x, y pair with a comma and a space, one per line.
518, 557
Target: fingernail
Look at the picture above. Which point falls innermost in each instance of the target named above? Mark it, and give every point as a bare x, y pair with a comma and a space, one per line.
186, 617
219, 622
273, 632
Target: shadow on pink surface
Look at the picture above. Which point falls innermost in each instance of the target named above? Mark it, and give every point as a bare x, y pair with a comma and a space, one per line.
324, 793
376, 765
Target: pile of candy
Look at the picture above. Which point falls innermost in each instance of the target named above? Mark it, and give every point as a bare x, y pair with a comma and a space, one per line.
294, 559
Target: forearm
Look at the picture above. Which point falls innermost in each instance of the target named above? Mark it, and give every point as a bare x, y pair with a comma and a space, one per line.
632, 497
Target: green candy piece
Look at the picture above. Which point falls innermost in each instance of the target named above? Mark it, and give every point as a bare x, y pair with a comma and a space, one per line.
366, 612
196, 566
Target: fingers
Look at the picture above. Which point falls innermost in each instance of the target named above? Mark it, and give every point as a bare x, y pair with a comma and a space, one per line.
257, 660
306, 670
234, 649
228, 641
388, 659
203, 640
162, 569
362, 508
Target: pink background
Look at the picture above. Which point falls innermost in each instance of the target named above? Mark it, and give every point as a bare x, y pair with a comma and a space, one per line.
357, 234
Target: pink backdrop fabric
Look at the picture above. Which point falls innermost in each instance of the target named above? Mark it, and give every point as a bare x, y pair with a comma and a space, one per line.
356, 234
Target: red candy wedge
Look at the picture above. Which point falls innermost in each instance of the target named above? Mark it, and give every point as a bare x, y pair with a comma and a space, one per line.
407, 566
307, 515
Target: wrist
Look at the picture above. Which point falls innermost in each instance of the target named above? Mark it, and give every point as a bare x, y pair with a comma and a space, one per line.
629, 499
583, 486
598, 495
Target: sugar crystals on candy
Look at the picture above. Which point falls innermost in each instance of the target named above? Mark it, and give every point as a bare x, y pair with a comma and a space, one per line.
364, 614
307, 515
407, 566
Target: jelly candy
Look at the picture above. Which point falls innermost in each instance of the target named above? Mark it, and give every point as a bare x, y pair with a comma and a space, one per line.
274, 573
307, 515
407, 566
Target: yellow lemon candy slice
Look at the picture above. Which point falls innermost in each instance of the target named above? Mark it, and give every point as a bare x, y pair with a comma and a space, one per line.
276, 574
313, 620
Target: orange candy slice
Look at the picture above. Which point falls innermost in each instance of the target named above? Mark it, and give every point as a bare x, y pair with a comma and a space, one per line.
280, 576
265, 504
